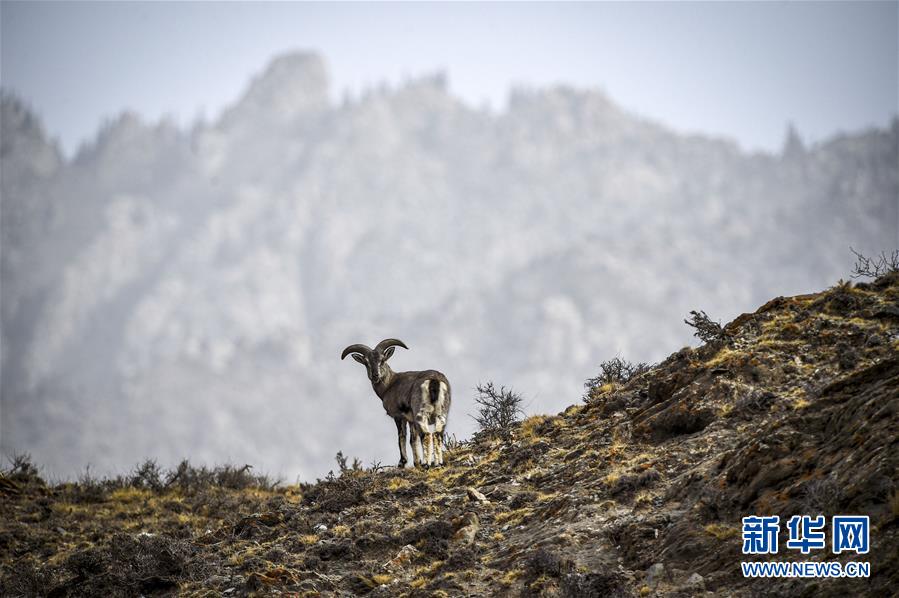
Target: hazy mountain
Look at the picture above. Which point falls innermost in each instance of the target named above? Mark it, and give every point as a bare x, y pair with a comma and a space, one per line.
187, 293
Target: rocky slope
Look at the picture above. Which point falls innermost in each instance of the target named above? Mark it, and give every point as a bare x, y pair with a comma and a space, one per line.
637, 491
171, 282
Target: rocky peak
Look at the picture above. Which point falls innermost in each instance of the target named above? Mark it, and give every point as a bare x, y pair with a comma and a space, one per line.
293, 84
24, 145
793, 147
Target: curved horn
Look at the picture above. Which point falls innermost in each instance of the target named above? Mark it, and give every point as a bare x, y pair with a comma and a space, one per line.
355, 349
389, 342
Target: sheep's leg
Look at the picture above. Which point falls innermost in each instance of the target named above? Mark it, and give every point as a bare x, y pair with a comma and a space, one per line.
417, 457
427, 439
401, 433
439, 447
423, 446
430, 457
439, 425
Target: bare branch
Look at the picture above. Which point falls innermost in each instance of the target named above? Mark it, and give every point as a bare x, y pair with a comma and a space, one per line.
874, 267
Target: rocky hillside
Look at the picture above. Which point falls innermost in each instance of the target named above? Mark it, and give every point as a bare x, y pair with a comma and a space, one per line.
197, 284
638, 491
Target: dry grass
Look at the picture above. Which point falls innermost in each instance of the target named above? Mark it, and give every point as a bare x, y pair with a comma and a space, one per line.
528, 429
341, 531
643, 499
721, 531
398, 483
612, 478
130, 495
513, 518
724, 355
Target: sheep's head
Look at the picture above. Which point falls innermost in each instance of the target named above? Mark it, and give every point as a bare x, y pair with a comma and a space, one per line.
374, 360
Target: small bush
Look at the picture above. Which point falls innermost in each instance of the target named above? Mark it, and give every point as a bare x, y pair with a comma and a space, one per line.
22, 470
342, 463
875, 267
191, 479
91, 489
186, 478
451, 443
21, 466
337, 493
148, 475
375, 466
614, 371
499, 409
705, 329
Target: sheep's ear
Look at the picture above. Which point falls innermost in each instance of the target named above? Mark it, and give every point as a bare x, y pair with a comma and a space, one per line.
358, 357
388, 352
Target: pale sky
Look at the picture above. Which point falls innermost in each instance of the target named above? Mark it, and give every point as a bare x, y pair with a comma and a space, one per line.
738, 70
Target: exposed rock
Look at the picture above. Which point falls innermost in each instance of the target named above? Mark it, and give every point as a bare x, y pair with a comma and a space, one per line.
696, 582
468, 527
476, 496
655, 574
403, 558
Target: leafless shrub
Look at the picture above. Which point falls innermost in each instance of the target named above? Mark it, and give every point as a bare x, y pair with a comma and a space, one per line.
191, 479
706, 329
342, 463
22, 470
336, 493
451, 443
188, 479
90, 489
875, 267
499, 409
148, 475
614, 371
343, 490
